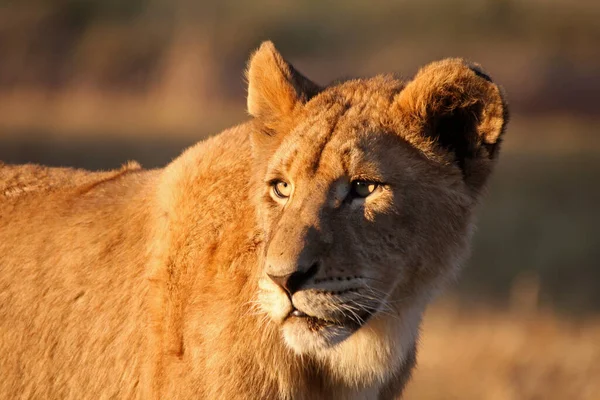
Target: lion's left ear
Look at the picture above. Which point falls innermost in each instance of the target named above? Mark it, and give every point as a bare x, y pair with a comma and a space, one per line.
456, 107
275, 87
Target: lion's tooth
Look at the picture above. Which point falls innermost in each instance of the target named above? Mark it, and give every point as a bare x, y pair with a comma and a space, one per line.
298, 313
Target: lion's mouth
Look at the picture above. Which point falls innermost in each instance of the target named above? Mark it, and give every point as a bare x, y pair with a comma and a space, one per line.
313, 323
316, 323
312, 329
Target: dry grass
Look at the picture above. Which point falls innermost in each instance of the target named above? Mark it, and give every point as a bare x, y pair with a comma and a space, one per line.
506, 355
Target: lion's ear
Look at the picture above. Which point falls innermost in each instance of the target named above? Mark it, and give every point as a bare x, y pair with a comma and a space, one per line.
275, 88
456, 107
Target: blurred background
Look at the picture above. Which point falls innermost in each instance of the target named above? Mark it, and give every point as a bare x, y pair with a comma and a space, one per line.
94, 83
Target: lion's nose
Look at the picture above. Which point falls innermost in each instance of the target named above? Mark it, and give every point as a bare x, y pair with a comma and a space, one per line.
294, 281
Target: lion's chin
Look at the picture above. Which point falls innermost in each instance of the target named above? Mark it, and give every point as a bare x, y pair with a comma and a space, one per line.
309, 335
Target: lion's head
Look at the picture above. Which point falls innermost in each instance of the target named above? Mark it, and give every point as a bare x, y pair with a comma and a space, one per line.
365, 189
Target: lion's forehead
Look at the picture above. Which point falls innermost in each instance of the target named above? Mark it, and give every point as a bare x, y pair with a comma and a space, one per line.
336, 144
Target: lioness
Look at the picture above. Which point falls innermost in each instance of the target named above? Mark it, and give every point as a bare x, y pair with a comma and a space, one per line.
290, 257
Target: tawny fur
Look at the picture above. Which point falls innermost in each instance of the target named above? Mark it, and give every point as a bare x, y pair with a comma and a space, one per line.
153, 284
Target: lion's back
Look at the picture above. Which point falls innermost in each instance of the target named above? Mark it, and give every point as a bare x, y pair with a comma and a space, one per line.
72, 257
20, 179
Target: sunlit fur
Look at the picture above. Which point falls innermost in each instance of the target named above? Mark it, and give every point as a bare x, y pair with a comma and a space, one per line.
153, 284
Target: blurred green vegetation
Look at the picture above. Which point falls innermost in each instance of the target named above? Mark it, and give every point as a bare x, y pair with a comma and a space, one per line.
94, 83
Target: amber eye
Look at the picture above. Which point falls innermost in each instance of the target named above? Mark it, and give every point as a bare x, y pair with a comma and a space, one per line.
282, 189
362, 189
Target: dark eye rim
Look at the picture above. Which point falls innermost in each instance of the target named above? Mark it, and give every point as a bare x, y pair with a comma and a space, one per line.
276, 191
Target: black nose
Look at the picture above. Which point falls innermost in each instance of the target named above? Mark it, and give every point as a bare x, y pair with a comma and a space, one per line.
294, 281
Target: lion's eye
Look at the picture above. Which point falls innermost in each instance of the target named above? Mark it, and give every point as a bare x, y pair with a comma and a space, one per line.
282, 189
362, 188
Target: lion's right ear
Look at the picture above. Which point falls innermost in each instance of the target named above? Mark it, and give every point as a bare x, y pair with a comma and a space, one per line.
275, 88
453, 106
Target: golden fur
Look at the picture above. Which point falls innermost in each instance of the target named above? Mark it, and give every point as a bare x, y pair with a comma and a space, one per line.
162, 284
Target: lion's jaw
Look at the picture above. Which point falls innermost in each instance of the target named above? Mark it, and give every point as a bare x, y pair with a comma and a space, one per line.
318, 318
361, 355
